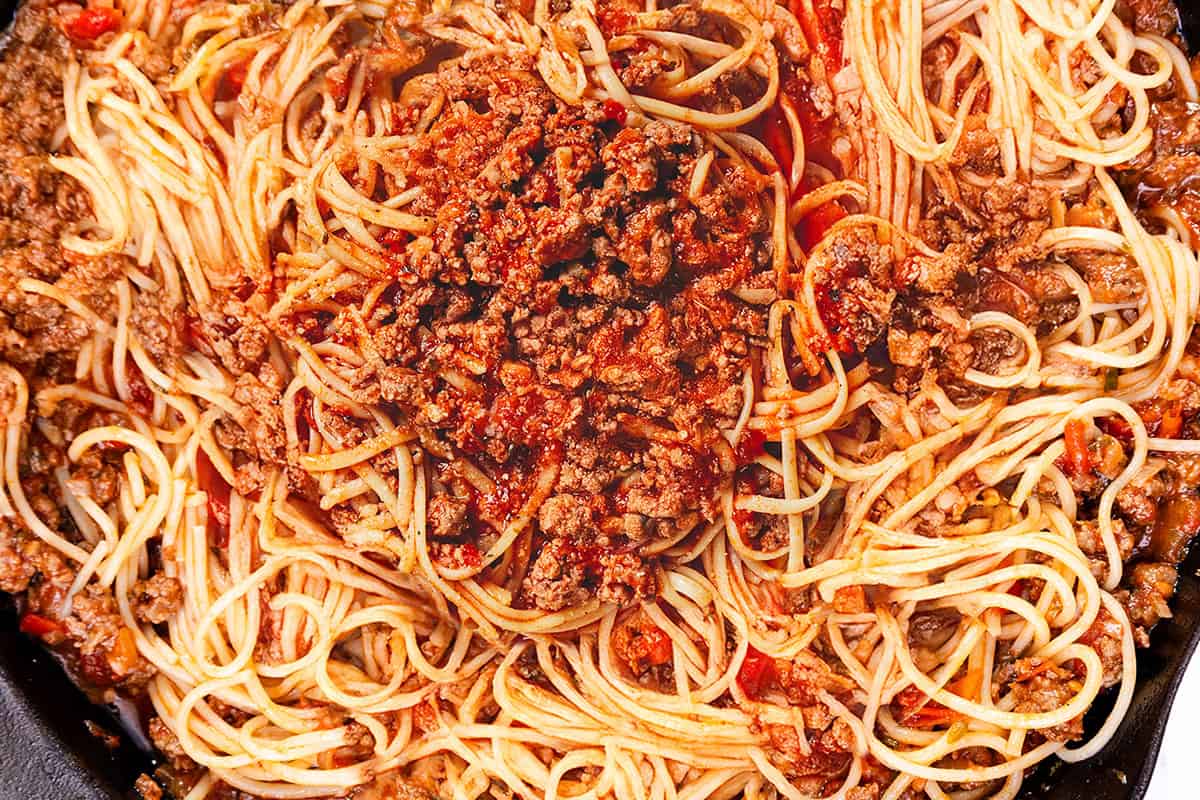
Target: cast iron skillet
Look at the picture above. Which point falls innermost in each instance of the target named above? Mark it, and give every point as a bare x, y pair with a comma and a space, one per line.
48, 750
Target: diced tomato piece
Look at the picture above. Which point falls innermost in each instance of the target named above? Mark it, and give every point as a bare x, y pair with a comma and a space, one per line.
1172, 420
1116, 427
470, 554
1078, 460
37, 625
757, 673
615, 111
92, 23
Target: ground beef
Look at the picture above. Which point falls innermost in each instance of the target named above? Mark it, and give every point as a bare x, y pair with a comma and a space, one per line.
15, 569
233, 333
553, 583
107, 651
168, 746
908, 315
572, 313
978, 149
1104, 636
1151, 16
157, 598
1039, 686
37, 202
1087, 534
446, 517
1151, 586
575, 313
817, 769
1162, 174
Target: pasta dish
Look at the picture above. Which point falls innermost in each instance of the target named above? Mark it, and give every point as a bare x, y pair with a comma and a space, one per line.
582, 399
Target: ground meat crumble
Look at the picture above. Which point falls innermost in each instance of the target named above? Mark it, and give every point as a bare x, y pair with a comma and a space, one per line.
572, 312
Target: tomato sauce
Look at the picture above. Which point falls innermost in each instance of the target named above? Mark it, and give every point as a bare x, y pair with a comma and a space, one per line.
217, 491
758, 672
92, 23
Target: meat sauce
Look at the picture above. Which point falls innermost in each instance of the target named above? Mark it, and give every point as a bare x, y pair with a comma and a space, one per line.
542, 340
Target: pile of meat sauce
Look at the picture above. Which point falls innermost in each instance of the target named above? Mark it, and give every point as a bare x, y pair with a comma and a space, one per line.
574, 313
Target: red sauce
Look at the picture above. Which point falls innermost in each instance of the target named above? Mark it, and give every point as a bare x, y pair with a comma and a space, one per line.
37, 625
217, 490
394, 241
750, 446
140, 396
583, 555
615, 111
522, 418
813, 227
1116, 427
817, 130
776, 138
305, 421
703, 477
742, 520
502, 503
193, 334
612, 19
513, 483
92, 23
823, 29
757, 674
229, 84
456, 555
470, 554
831, 315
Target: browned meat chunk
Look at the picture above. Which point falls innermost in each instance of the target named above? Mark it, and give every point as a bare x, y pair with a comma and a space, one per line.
157, 598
